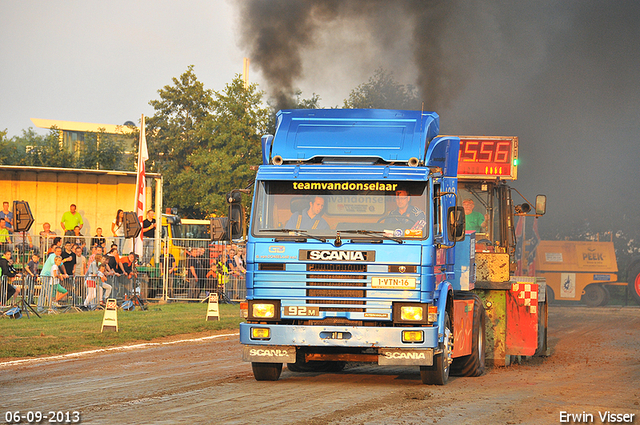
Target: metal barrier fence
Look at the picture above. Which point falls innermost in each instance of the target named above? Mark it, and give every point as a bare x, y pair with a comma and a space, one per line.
191, 269
186, 270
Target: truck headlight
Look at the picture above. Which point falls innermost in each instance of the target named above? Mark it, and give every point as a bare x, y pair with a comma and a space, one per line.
411, 313
264, 310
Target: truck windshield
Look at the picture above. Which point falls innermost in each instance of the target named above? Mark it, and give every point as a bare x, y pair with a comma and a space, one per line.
365, 208
483, 204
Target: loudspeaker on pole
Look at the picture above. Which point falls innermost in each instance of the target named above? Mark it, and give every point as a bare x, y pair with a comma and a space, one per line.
22, 217
132, 225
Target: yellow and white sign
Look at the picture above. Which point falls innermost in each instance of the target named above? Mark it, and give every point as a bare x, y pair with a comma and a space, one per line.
110, 319
213, 312
400, 282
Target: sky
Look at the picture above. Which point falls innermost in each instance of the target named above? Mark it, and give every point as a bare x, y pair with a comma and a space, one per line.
561, 75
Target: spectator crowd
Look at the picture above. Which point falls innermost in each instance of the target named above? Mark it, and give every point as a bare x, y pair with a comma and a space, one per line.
83, 271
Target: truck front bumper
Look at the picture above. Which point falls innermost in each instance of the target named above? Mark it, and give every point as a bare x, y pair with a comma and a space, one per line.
338, 336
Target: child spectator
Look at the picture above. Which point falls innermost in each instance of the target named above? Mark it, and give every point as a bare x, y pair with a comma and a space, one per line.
113, 266
5, 239
90, 281
6, 269
32, 272
104, 284
98, 239
58, 274
129, 270
81, 263
78, 238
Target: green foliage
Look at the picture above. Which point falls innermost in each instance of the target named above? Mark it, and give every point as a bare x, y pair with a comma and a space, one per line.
105, 152
43, 151
205, 142
224, 162
174, 132
382, 91
10, 152
98, 150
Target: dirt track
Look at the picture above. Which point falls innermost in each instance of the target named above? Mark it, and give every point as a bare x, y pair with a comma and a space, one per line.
594, 366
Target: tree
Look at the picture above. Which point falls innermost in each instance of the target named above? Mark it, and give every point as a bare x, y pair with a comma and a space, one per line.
384, 92
42, 150
224, 163
10, 152
204, 142
175, 131
104, 151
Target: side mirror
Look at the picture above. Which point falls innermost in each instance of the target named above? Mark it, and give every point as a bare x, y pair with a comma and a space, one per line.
456, 224
236, 215
541, 204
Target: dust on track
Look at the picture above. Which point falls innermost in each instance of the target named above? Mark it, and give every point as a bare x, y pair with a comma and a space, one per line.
594, 366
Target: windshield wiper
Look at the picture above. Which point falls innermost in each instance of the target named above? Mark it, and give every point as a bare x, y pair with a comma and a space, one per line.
376, 233
296, 231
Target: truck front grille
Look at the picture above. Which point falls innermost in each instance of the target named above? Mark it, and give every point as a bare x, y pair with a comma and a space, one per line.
340, 283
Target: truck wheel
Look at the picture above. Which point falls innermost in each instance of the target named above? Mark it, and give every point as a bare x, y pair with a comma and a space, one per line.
474, 363
438, 374
634, 282
595, 295
266, 371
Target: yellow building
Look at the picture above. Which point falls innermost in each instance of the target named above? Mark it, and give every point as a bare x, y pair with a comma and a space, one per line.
98, 194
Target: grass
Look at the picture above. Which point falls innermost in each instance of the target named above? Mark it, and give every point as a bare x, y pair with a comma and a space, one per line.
71, 332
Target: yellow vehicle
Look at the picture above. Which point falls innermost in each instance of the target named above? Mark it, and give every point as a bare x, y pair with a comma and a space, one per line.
578, 270
182, 233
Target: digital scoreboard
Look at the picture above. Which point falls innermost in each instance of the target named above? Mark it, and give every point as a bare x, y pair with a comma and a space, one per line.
488, 157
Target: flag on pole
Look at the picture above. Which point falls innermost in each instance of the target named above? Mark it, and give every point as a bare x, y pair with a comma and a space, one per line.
141, 198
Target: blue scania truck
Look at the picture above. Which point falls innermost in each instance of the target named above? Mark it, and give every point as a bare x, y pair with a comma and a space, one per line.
357, 249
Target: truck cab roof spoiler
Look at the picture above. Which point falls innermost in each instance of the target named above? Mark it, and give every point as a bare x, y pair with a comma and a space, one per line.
350, 136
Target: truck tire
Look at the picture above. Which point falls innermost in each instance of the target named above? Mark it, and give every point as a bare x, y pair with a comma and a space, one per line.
595, 295
474, 363
438, 374
266, 371
634, 282
550, 295
543, 328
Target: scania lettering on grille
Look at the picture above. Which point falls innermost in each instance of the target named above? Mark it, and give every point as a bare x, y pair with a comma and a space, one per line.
268, 353
334, 255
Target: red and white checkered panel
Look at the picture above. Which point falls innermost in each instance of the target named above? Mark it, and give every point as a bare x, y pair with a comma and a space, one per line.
526, 294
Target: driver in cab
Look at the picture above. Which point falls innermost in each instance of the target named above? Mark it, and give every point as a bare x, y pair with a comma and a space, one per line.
409, 216
311, 218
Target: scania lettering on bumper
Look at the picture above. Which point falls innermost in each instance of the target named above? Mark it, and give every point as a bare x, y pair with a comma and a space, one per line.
269, 354
397, 356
